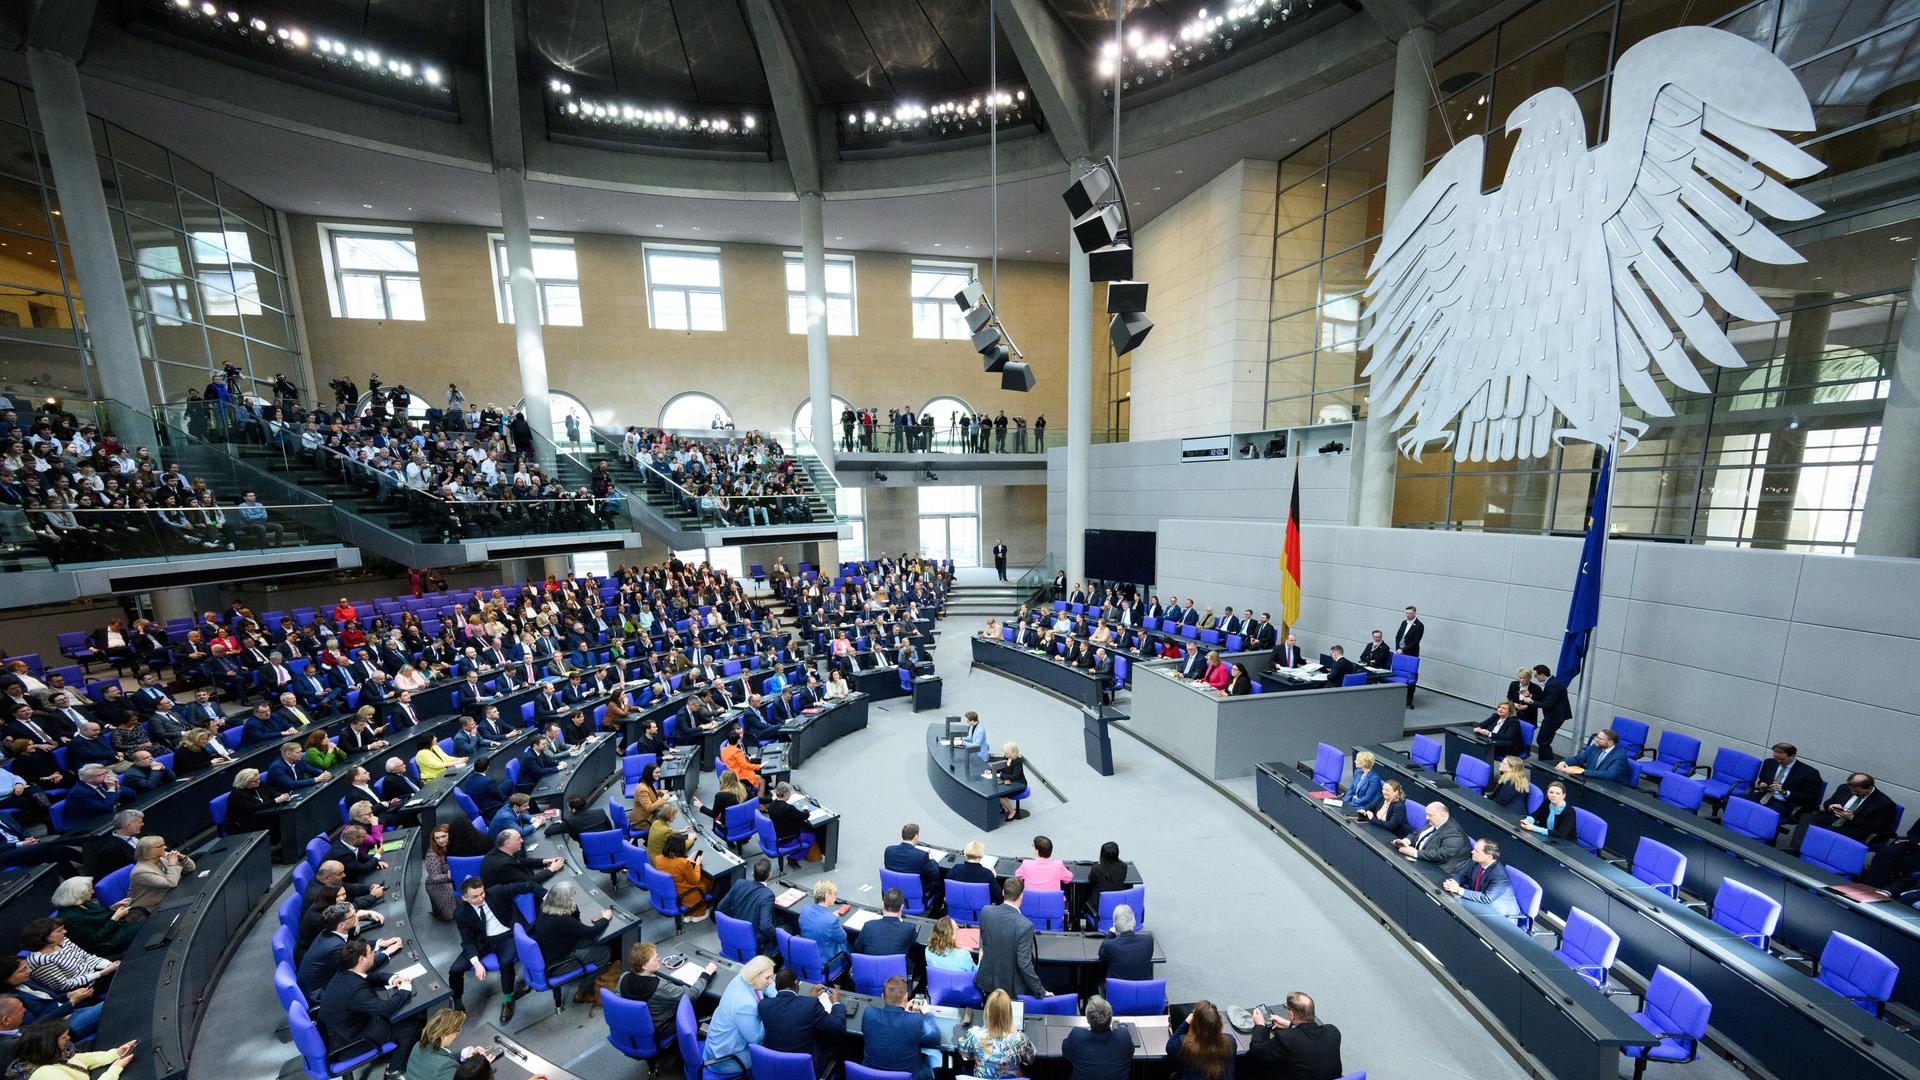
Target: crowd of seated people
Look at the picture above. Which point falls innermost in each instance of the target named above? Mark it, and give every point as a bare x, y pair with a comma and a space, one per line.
458, 473
745, 479
901, 431
80, 495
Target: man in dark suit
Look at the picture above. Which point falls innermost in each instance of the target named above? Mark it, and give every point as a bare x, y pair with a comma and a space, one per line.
1262, 634
1406, 639
1341, 666
354, 858
1601, 759
1860, 811
96, 795
1294, 1047
1291, 655
794, 1023
1194, 665
1377, 653
1442, 842
1099, 1051
1006, 947
115, 849
352, 1010
908, 857
1127, 952
488, 794
507, 873
888, 935
401, 715
322, 959
1555, 710
1484, 881
752, 903
895, 1031
1786, 784
1000, 558
483, 933
581, 817
789, 821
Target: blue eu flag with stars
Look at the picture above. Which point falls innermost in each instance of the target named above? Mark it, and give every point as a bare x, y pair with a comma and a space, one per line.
1584, 613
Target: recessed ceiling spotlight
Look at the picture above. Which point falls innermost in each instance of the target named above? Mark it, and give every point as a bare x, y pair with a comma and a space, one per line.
366, 206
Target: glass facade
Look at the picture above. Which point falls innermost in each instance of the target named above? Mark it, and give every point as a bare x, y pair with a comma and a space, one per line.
1778, 454
202, 263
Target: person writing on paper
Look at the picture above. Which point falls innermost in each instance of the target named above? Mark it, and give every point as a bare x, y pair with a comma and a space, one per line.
1555, 818
1291, 655
1485, 881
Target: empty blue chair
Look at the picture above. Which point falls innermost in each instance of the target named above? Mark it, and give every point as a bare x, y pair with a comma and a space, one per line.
217, 808
1676, 753
1857, 973
686, 1032
1046, 910
1676, 1013
1425, 752
463, 867
738, 821
1683, 792
1633, 735
283, 948
1746, 911
953, 988
1732, 773
768, 1064
302, 877
286, 986
601, 851
1472, 773
1137, 997
804, 957
1236, 643
1329, 766
1135, 899
617, 815
629, 1026
1589, 829
313, 1049
1191, 633
1833, 852
1209, 637
113, 888
317, 851
1416, 814
909, 886
1526, 893
290, 911
1358, 678
965, 899
1526, 740
1406, 670
512, 771
736, 937
870, 973
1052, 1005
1750, 819
1659, 866
534, 967
631, 766
1588, 946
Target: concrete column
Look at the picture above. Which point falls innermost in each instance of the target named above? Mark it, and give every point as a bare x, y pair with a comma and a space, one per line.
1787, 444
1079, 407
813, 259
174, 603
1890, 522
527, 339
1406, 163
117, 369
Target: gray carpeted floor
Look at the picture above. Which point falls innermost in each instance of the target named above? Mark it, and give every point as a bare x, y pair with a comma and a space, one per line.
1243, 917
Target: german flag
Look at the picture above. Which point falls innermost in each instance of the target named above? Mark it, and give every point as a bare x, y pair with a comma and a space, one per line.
1290, 560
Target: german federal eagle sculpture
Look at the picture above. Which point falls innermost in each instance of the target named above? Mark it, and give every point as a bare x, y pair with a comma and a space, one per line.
1504, 322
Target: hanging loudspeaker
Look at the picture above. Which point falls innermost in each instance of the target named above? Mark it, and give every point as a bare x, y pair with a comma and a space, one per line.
979, 317
970, 297
1088, 192
1017, 377
1111, 263
1097, 228
995, 358
1126, 296
984, 338
1128, 330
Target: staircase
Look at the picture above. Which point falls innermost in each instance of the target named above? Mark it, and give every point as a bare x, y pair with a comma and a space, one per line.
973, 604
654, 503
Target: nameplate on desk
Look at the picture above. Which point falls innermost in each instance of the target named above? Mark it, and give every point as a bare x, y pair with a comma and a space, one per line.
1206, 448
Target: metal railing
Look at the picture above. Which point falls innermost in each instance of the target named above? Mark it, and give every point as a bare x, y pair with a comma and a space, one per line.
711, 509
74, 536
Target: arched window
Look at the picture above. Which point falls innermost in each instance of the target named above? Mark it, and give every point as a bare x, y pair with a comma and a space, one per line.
803, 416
416, 405
559, 405
946, 412
695, 410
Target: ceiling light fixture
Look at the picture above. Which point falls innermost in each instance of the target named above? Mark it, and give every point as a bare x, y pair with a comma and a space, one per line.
1209, 36
265, 36
958, 117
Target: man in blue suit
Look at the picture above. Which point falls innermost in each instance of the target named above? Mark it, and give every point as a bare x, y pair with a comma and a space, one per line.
534, 764
888, 935
90, 747
96, 795
896, 1032
907, 857
289, 773
1485, 881
322, 958
793, 1023
752, 903
1600, 759
262, 726
488, 794
754, 725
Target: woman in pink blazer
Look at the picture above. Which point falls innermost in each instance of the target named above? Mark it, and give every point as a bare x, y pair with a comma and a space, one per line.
1217, 672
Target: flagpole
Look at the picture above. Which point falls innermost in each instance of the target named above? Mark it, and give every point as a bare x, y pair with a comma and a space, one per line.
1612, 466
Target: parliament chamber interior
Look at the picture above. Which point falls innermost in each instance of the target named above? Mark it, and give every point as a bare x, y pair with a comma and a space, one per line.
533, 546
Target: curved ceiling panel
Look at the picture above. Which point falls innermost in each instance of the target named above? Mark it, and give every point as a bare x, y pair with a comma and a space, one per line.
446, 28
868, 50
677, 50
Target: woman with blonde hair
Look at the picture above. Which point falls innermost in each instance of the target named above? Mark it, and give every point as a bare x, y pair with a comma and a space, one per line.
1012, 773
1364, 792
433, 1057
1511, 784
1391, 814
997, 1048
732, 793
409, 678
361, 814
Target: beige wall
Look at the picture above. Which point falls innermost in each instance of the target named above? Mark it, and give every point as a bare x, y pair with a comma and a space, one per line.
1209, 260
1017, 512
626, 371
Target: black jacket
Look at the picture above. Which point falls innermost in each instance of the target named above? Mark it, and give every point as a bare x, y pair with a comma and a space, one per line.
1128, 955
794, 1024
1300, 1052
351, 1010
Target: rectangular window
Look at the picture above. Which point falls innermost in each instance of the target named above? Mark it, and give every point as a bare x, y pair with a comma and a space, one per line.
164, 290
556, 279
935, 315
683, 288
852, 505
840, 309
223, 264
950, 524
375, 274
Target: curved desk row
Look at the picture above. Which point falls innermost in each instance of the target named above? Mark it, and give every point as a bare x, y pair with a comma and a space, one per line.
1788, 1023
956, 777
809, 733
1042, 671
168, 972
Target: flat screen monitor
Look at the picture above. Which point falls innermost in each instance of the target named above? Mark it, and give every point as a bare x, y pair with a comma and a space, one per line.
1121, 555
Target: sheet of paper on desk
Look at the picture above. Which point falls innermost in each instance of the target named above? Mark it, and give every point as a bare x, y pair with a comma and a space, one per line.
935, 854
687, 973
789, 898
411, 972
860, 918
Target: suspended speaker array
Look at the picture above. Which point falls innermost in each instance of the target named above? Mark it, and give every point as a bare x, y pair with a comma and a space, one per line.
1104, 231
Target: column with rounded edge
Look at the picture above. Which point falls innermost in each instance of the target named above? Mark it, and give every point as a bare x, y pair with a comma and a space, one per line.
1406, 154
117, 370
1890, 521
1079, 405
813, 265
525, 295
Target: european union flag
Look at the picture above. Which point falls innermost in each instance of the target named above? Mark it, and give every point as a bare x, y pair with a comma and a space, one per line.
1584, 613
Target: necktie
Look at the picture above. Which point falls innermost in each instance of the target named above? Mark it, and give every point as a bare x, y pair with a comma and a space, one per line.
1479, 876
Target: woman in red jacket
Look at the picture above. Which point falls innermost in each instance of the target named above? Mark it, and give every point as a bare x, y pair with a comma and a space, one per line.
1218, 673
